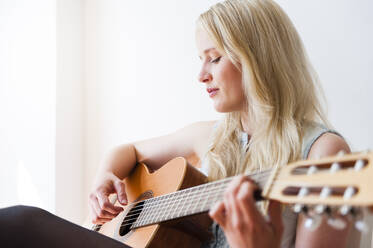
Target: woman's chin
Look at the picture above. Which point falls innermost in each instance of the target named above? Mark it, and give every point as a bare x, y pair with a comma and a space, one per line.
221, 109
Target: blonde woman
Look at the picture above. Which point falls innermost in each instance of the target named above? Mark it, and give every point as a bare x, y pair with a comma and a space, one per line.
256, 71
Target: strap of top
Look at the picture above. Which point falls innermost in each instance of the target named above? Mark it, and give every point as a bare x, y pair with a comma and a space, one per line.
312, 133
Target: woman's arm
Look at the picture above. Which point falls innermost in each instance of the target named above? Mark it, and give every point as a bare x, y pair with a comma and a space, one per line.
324, 236
155, 152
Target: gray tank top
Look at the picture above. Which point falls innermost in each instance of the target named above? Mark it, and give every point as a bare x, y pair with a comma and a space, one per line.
313, 131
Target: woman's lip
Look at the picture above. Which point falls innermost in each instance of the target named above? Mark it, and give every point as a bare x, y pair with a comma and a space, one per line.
212, 92
209, 90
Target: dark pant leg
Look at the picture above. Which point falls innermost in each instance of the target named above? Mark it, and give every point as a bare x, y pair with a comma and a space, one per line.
24, 226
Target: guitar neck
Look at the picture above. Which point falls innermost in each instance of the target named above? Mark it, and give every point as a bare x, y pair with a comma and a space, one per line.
187, 202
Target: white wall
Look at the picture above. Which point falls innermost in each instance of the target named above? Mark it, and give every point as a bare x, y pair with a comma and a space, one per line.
27, 102
69, 110
338, 37
41, 96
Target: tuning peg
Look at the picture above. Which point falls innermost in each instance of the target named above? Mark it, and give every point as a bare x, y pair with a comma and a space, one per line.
345, 210
298, 208
312, 223
359, 164
336, 223
321, 209
361, 226
325, 192
341, 153
303, 192
311, 170
349, 192
335, 167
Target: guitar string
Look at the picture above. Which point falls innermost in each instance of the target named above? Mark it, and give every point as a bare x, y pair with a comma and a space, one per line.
260, 175
219, 183
216, 192
155, 202
166, 197
159, 207
157, 214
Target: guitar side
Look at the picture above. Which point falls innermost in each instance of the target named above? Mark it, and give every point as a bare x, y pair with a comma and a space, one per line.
142, 184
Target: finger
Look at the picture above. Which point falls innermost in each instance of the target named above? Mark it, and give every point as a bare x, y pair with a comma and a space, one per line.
217, 213
275, 215
96, 210
246, 202
236, 216
106, 205
230, 192
234, 185
95, 219
101, 211
121, 192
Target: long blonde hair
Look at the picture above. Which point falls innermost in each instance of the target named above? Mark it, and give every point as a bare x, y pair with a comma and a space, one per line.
280, 85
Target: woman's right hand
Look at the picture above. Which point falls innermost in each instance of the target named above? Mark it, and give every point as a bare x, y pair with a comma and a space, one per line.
102, 210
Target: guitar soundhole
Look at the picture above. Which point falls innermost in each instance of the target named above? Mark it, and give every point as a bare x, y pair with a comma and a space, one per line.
134, 213
131, 218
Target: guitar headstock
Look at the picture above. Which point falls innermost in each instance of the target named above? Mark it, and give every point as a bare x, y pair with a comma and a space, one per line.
341, 183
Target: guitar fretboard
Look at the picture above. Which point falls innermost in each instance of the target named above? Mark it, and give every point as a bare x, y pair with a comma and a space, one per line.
185, 202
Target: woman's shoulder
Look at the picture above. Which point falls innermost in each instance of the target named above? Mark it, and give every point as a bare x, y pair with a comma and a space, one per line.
200, 128
328, 144
320, 141
201, 132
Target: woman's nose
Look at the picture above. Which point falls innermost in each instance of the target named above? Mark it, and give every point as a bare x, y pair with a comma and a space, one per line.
204, 77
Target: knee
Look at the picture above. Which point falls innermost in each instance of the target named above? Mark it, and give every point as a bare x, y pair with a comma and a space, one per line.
29, 212
23, 214
18, 222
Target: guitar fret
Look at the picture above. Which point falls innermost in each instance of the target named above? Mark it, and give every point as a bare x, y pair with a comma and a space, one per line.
165, 208
179, 211
207, 197
182, 203
158, 215
186, 205
193, 200
168, 207
146, 211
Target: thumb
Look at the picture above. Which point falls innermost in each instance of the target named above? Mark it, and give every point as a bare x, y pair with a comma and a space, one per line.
121, 191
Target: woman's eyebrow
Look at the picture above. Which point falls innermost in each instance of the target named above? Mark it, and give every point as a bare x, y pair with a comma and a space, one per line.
207, 51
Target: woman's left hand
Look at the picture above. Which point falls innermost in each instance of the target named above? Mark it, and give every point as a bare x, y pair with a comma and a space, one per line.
242, 223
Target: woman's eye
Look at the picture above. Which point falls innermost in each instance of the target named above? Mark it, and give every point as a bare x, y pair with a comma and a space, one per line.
216, 60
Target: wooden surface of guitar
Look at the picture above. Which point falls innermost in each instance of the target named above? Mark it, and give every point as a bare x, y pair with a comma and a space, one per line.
141, 185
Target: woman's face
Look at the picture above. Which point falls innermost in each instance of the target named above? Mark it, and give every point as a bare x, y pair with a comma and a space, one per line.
222, 78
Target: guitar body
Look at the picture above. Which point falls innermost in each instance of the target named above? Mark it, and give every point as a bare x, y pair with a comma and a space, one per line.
142, 184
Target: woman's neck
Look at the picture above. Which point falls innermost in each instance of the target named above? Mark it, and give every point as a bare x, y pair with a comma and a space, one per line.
246, 124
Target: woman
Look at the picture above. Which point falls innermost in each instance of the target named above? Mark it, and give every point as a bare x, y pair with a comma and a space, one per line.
256, 71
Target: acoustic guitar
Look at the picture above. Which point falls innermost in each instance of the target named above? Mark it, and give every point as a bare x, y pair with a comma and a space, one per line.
168, 208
